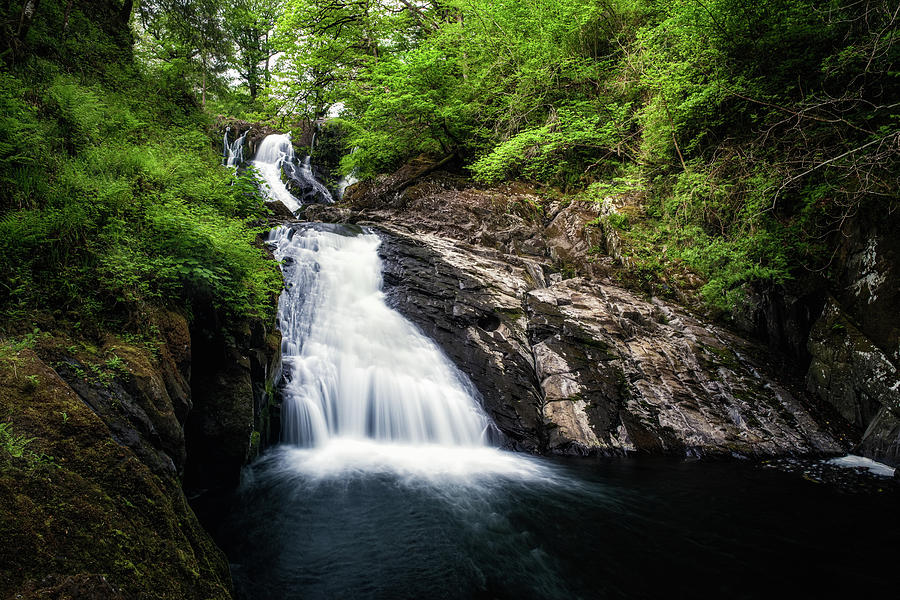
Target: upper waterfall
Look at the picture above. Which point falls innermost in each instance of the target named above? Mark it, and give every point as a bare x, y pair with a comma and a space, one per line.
233, 152
276, 155
355, 368
274, 151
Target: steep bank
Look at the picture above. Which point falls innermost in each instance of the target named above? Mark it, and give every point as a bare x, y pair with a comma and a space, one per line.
136, 353
93, 503
835, 328
521, 294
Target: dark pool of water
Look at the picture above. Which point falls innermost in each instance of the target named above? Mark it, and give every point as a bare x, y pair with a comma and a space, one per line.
612, 528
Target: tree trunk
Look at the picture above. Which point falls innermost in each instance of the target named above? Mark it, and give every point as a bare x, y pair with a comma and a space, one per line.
203, 85
418, 15
125, 12
67, 15
465, 57
29, 10
268, 56
253, 80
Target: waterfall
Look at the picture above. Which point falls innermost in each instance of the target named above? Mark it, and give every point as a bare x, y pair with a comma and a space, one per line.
276, 155
345, 182
274, 151
305, 174
233, 154
356, 369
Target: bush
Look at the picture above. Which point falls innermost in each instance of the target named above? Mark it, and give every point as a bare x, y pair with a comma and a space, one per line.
108, 207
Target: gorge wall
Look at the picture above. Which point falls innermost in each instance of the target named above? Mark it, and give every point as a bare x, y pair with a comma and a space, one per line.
93, 506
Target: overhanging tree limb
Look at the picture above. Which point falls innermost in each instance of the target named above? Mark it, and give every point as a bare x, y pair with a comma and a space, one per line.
829, 161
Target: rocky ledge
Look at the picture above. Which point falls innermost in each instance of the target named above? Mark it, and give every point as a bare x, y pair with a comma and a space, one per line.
525, 302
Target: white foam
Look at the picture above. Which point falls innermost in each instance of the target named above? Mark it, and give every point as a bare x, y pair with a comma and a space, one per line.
851, 461
342, 457
273, 152
357, 368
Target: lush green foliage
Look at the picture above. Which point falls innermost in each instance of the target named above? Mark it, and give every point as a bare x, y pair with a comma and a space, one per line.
113, 199
754, 130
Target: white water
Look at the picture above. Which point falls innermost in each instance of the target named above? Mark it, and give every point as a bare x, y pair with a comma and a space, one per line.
276, 155
852, 461
233, 153
356, 369
272, 154
345, 182
305, 173
461, 468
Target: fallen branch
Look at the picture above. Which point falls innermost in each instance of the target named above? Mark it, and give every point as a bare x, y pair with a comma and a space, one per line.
424, 172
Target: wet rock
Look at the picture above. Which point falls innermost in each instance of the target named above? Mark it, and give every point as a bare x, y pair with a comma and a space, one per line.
868, 285
881, 440
577, 367
257, 132
858, 379
235, 413
480, 328
519, 292
571, 240
782, 317
280, 211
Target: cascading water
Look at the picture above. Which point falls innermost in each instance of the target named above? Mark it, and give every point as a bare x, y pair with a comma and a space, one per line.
345, 182
276, 155
304, 173
274, 151
357, 369
386, 487
233, 153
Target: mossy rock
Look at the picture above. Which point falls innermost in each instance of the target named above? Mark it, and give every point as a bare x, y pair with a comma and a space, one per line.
81, 508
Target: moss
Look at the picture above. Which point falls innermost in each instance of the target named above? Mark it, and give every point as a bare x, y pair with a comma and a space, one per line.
721, 356
513, 314
254, 443
93, 508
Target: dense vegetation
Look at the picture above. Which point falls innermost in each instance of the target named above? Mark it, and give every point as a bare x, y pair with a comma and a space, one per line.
112, 198
743, 135
749, 132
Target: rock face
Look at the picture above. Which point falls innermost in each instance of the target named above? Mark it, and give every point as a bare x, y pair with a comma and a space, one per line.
843, 334
859, 379
581, 367
235, 414
92, 500
565, 360
93, 507
855, 344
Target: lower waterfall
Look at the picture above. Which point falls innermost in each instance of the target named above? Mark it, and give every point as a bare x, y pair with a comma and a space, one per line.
355, 368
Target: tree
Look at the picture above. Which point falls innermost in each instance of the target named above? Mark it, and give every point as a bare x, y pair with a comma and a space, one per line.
328, 45
187, 35
251, 24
